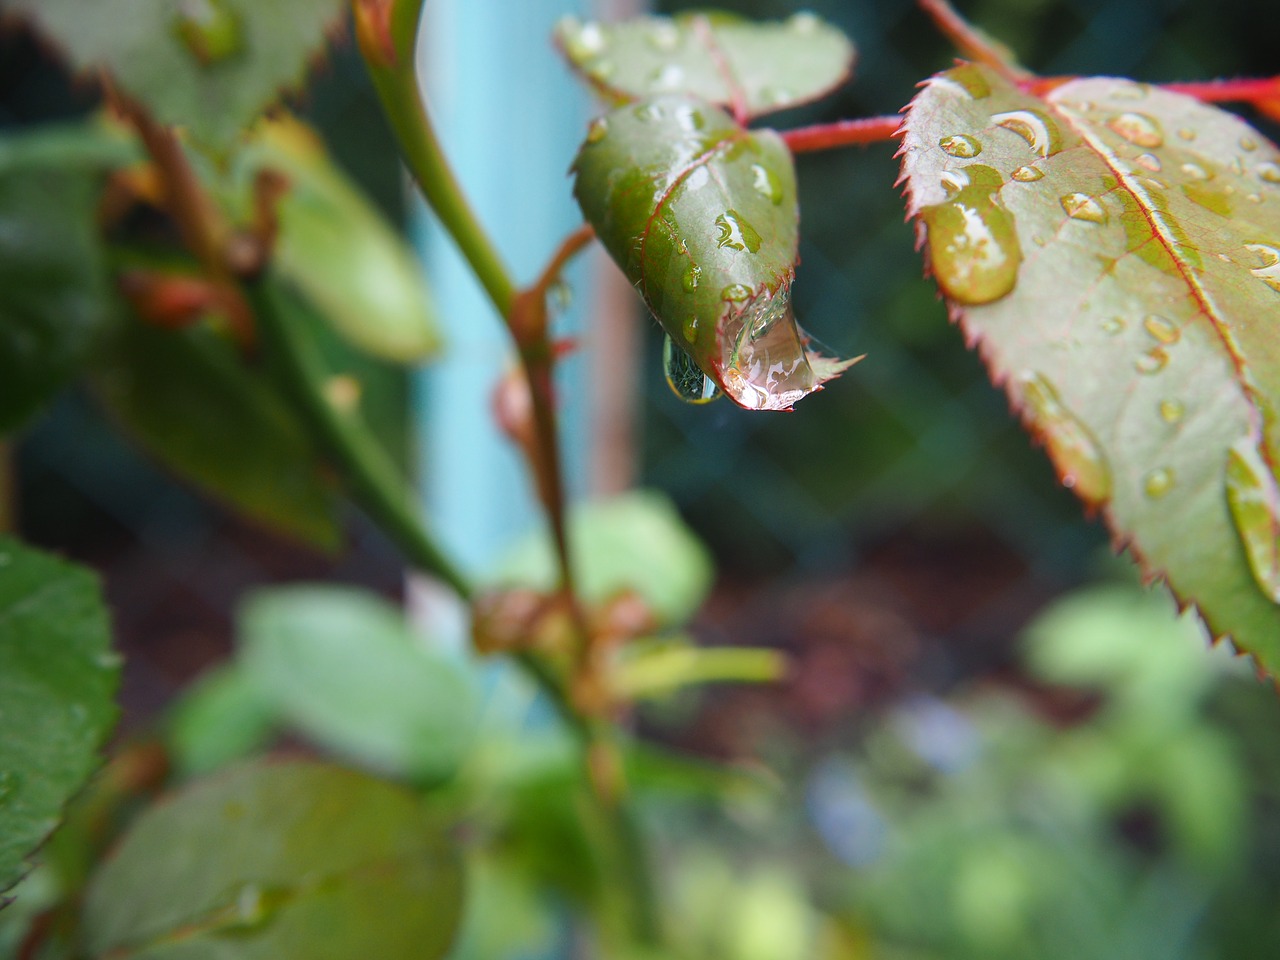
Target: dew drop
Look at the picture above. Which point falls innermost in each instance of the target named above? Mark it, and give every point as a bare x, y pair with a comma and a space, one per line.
647, 112
1027, 174
766, 184
1071, 445
1113, 326
597, 130
1186, 133
1138, 128
668, 77
1148, 161
776, 96
1253, 197
953, 181
973, 244
1040, 132
584, 40
690, 328
1171, 411
1153, 361
1196, 172
601, 69
1268, 271
1254, 500
691, 277
663, 37
689, 118
1268, 172
1161, 328
1158, 482
960, 145
736, 233
210, 29
1081, 206
684, 376
736, 293
1248, 144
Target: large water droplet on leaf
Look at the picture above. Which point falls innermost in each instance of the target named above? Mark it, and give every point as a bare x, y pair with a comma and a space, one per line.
1027, 174
1157, 483
766, 184
1268, 172
1138, 128
1254, 499
691, 277
1268, 269
736, 233
1071, 445
960, 145
1033, 126
684, 377
973, 244
1081, 206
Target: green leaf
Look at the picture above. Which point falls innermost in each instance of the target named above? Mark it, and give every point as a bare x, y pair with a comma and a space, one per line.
222, 717
701, 215
53, 291
338, 249
753, 68
661, 667
344, 667
190, 400
1113, 250
282, 861
58, 677
211, 66
636, 541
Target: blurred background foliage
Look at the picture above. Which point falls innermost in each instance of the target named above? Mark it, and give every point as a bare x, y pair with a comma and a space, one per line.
923, 784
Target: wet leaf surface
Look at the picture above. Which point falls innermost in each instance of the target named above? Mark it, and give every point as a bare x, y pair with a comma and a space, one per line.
58, 677
701, 215
279, 860
1113, 251
209, 65
752, 68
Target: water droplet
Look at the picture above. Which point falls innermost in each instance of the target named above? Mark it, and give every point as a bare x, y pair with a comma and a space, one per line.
1248, 144
736, 233
1071, 444
1027, 174
953, 181
647, 112
668, 77
1138, 128
1040, 132
1254, 499
776, 96
10, 781
685, 377
1268, 269
682, 247
1081, 206
736, 293
1186, 133
583, 41
1237, 165
1148, 161
597, 130
1268, 172
690, 328
663, 36
210, 29
973, 244
689, 118
1113, 326
1196, 172
1162, 328
691, 277
1171, 411
1253, 197
960, 145
1153, 361
765, 183
1158, 482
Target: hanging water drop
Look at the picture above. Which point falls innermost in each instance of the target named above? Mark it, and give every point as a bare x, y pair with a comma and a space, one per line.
684, 376
1081, 206
973, 243
1138, 128
1158, 482
1254, 501
1071, 445
960, 145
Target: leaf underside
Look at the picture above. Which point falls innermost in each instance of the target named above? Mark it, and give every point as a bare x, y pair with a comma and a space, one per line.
751, 68
1113, 251
701, 215
58, 677
211, 66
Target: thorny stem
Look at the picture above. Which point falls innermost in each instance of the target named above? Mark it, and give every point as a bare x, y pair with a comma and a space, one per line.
842, 133
972, 42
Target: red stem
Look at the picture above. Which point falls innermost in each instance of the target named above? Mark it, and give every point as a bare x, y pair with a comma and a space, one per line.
1244, 90
973, 43
842, 133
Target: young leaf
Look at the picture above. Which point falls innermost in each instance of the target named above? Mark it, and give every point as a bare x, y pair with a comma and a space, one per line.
209, 65
701, 215
58, 677
288, 861
751, 68
1113, 250
343, 666
189, 399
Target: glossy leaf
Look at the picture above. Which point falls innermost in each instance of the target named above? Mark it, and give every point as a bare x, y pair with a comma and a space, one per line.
282, 861
191, 401
633, 542
211, 66
752, 68
58, 677
343, 666
338, 249
53, 291
1113, 250
701, 215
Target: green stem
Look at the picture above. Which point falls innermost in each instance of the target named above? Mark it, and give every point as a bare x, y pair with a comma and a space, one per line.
373, 479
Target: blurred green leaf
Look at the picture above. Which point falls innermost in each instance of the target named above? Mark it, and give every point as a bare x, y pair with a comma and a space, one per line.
659, 668
343, 666
211, 66
221, 717
191, 401
759, 67
279, 861
53, 288
58, 677
337, 249
636, 541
